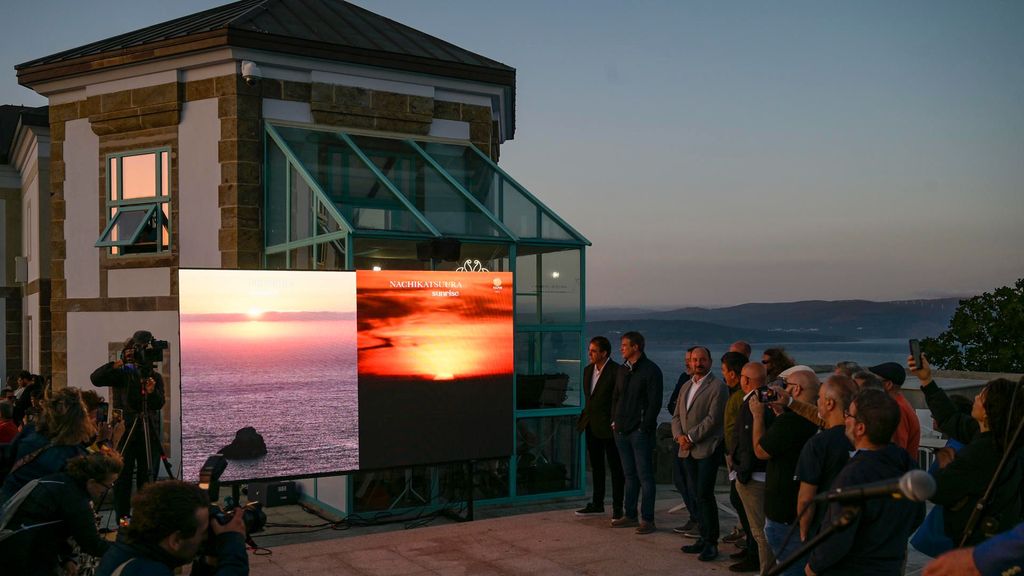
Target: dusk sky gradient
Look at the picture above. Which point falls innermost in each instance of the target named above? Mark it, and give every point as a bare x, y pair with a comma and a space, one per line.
717, 153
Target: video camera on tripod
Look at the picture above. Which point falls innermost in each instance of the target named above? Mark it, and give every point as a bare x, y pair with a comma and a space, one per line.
142, 351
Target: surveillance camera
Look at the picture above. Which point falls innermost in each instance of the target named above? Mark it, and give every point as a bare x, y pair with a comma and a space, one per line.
251, 72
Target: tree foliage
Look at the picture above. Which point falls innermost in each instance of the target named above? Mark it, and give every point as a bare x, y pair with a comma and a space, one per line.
986, 334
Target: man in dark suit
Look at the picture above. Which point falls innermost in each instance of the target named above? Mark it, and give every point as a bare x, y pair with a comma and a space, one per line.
698, 425
596, 422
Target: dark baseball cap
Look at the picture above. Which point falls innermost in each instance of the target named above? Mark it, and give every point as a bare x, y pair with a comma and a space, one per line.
890, 371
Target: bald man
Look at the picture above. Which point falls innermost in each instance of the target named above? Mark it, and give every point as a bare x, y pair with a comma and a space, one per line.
740, 346
750, 469
781, 444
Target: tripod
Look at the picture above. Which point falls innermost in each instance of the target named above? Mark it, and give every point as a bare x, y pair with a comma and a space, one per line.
138, 447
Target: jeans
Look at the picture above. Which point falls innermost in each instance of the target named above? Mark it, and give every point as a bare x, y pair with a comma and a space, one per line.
636, 450
601, 450
701, 474
775, 533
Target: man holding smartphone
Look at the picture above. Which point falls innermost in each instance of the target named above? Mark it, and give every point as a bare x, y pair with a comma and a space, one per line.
908, 433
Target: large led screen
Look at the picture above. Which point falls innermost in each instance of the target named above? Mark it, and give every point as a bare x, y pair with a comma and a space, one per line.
435, 366
343, 371
275, 351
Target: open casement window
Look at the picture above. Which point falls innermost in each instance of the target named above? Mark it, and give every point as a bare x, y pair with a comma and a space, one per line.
138, 203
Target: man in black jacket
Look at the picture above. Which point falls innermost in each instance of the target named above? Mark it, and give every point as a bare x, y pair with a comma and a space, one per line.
635, 404
875, 541
751, 470
596, 422
138, 390
169, 526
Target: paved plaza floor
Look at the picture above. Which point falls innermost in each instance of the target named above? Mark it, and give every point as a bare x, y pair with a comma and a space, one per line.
540, 539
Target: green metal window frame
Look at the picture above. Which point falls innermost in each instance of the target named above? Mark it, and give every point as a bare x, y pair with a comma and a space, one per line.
154, 206
349, 233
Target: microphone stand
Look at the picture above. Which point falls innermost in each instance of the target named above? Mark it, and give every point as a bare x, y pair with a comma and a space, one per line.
848, 515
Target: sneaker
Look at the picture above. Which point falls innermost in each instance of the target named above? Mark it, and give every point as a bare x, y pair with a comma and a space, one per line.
736, 535
624, 522
690, 525
590, 510
646, 528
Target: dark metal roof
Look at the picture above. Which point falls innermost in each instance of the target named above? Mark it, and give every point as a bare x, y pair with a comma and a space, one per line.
333, 22
9, 118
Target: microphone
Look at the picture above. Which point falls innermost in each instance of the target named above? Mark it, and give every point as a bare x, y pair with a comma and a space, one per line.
916, 486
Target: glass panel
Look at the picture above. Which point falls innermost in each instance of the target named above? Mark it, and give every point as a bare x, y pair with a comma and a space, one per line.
395, 488
165, 174
490, 480
301, 258
127, 225
300, 208
325, 220
426, 188
147, 240
278, 261
480, 178
112, 175
547, 369
526, 309
331, 255
551, 230
387, 254
355, 190
518, 213
490, 257
547, 454
467, 167
277, 195
165, 236
139, 176
560, 287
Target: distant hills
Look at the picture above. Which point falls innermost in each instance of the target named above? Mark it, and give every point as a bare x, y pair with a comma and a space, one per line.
806, 321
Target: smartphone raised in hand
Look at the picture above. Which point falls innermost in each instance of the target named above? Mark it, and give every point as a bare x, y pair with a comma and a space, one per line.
915, 352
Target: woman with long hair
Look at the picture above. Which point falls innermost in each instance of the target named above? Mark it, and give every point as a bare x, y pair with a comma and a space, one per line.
990, 435
63, 431
776, 361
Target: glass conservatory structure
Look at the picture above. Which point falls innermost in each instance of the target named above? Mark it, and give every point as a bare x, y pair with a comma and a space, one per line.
350, 200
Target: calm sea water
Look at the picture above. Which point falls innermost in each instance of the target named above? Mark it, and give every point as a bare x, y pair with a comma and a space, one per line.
865, 352
289, 380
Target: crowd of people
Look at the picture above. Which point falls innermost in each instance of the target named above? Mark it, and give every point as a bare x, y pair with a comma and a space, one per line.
62, 452
790, 443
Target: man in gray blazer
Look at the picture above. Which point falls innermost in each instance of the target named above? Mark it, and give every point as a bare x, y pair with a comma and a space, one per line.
698, 425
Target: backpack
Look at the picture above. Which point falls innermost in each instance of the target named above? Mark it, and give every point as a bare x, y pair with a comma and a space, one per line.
14, 503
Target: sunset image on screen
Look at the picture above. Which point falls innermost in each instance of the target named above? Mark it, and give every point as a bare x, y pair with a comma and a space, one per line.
436, 325
274, 350
435, 366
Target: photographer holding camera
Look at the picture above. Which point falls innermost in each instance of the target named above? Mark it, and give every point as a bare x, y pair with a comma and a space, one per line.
138, 390
170, 522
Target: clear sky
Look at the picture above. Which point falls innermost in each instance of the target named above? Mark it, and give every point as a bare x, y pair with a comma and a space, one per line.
725, 152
